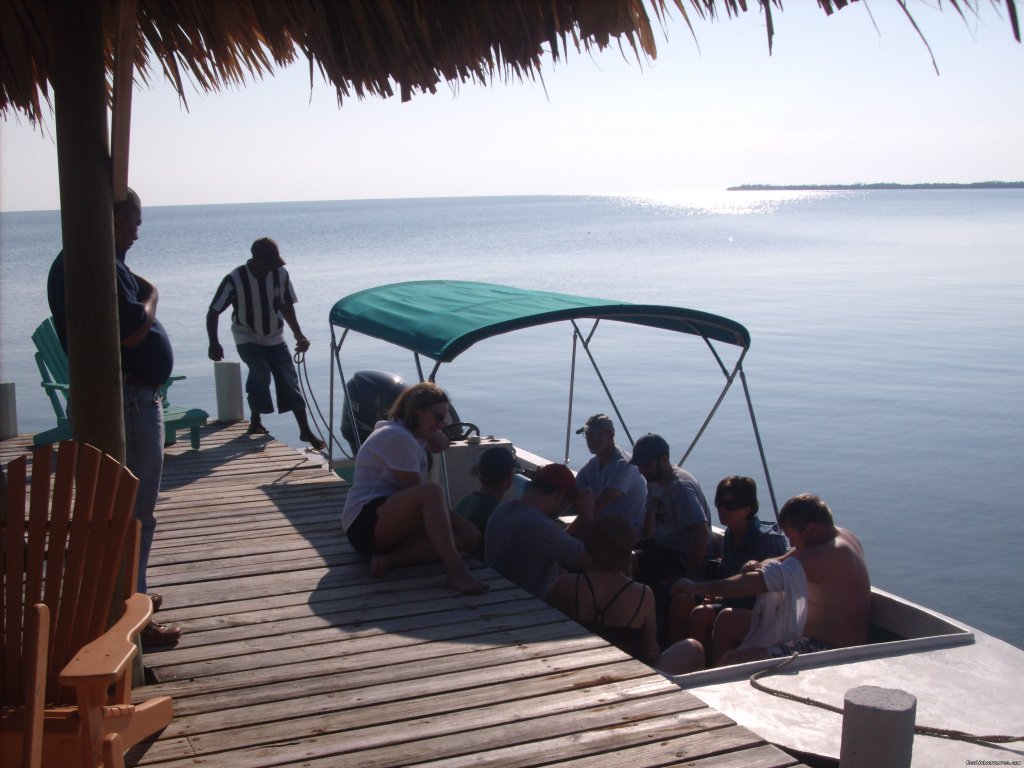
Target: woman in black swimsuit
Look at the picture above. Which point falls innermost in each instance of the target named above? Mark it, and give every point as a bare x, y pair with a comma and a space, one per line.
604, 599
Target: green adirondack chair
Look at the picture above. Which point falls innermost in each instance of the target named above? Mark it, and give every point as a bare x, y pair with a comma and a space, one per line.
53, 370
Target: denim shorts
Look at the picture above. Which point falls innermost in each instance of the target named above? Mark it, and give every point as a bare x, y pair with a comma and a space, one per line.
266, 364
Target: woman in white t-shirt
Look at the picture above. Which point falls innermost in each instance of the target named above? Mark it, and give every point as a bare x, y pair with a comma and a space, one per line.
392, 514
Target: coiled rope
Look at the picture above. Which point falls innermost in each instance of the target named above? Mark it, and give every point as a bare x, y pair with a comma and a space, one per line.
307, 394
925, 730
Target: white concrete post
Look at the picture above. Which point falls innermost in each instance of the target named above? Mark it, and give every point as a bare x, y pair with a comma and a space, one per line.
8, 411
878, 728
227, 375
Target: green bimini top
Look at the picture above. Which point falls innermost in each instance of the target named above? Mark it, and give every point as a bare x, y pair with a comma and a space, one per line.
441, 319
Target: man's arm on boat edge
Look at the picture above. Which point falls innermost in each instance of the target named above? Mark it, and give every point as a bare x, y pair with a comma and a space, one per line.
747, 584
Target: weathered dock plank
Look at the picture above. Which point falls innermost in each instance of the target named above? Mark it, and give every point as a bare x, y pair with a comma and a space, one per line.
294, 655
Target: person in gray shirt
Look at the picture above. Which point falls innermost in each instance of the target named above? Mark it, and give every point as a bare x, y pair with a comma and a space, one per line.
618, 487
677, 526
527, 544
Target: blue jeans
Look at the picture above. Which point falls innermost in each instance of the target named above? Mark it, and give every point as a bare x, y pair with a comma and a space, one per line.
264, 363
144, 455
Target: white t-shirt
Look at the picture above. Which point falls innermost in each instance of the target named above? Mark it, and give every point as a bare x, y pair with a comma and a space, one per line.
390, 447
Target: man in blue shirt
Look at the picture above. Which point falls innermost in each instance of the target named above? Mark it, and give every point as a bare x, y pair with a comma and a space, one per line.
146, 364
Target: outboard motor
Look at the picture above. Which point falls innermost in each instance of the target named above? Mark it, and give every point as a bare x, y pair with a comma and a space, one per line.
371, 394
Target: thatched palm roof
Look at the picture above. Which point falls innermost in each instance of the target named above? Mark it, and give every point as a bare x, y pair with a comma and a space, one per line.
362, 47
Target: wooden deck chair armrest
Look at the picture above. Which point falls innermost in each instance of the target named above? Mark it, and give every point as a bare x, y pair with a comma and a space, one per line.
106, 658
49, 385
37, 636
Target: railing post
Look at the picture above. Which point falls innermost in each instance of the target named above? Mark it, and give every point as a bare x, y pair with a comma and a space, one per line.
8, 411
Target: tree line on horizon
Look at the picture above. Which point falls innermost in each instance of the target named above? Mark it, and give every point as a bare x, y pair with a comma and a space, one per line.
876, 185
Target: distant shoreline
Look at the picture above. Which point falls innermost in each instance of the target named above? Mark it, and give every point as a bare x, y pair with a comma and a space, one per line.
882, 185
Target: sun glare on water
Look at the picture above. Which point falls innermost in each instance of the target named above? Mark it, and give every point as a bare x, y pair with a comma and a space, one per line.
720, 202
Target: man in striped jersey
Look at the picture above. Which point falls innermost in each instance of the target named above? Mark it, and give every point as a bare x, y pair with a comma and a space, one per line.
262, 300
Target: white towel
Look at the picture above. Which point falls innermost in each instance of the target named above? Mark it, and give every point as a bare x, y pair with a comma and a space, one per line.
780, 613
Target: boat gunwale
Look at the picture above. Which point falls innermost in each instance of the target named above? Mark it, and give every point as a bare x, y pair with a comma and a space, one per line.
957, 634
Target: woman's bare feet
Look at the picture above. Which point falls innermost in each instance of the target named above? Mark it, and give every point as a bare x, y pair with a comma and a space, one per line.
465, 583
379, 565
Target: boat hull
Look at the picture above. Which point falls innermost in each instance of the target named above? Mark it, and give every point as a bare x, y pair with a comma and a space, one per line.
963, 680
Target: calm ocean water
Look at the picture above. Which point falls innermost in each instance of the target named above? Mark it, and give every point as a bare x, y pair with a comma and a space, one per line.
887, 363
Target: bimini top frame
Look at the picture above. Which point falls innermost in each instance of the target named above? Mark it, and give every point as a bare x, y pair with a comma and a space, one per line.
441, 319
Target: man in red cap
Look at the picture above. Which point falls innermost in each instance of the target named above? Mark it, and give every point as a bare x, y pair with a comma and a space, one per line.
525, 542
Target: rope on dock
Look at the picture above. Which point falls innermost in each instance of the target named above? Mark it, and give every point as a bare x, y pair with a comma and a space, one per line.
924, 730
318, 419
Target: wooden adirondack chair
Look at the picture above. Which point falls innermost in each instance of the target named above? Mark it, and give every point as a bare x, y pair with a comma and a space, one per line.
52, 362
66, 694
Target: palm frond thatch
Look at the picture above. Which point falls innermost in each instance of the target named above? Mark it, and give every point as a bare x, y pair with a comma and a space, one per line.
362, 47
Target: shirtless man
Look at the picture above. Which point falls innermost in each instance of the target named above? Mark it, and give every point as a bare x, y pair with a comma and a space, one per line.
838, 587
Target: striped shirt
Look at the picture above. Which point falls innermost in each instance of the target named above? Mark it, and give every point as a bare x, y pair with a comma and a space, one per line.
255, 304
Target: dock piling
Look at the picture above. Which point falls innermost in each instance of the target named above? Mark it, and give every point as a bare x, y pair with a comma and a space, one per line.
227, 375
878, 728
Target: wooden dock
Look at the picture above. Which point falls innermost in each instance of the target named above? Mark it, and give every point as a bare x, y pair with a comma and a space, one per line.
294, 655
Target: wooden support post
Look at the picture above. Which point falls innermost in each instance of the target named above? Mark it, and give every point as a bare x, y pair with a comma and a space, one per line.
87, 225
124, 73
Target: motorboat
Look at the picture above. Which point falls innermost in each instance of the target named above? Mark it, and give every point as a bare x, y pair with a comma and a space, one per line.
965, 681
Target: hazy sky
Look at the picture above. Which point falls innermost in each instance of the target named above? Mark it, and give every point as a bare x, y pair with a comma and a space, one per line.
837, 101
